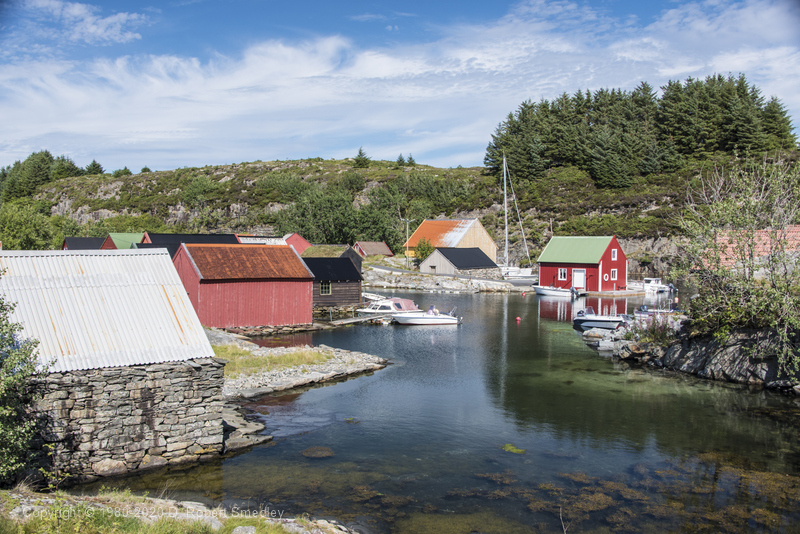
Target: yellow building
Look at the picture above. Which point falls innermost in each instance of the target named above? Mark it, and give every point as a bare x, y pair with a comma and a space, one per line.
458, 233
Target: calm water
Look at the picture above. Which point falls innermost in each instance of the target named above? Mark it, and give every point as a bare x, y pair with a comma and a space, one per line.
499, 426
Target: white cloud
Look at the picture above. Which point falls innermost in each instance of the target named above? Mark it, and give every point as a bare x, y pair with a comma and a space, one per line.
439, 100
75, 22
367, 17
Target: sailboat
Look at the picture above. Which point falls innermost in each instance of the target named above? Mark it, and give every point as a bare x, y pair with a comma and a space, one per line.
509, 272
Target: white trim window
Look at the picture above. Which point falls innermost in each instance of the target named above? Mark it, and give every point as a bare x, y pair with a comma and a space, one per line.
325, 287
613, 274
562, 273
613, 257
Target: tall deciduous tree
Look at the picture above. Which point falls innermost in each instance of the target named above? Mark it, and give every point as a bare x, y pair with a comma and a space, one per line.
18, 368
736, 223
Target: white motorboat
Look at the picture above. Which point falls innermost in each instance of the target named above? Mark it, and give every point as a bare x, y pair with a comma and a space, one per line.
389, 306
651, 285
587, 318
430, 317
551, 291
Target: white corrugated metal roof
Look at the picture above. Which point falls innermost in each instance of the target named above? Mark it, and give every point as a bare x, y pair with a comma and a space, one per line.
102, 308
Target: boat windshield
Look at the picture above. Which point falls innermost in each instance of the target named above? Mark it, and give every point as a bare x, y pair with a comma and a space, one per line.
589, 310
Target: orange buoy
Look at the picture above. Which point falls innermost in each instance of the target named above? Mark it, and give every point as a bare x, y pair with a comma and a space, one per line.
523, 293
518, 319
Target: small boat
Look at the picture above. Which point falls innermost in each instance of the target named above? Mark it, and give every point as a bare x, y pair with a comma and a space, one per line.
388, 306
430, 317
644, 311
651, 285
587, 318
551, 291
372, 296
518, 273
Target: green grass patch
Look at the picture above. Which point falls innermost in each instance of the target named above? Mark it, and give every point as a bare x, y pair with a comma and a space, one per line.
244, 362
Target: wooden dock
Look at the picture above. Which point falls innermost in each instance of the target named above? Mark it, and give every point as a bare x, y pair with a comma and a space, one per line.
355, 320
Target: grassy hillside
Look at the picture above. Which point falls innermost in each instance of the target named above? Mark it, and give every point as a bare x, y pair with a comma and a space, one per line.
249, 197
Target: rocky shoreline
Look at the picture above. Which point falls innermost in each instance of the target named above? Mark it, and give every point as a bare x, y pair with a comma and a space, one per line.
376, 277
704, 357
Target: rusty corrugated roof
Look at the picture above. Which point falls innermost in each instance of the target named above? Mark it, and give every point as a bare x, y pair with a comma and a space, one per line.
373, 248
237, 262
441, 233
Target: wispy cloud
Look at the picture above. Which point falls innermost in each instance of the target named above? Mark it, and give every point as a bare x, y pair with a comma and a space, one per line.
367, 17
438, 100
73, 21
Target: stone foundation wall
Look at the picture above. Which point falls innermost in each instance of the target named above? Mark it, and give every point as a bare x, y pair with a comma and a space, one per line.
103, 422
337, 312
493, 273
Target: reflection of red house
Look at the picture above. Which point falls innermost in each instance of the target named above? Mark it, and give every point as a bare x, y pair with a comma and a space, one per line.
296, 240
590, 263
564, 310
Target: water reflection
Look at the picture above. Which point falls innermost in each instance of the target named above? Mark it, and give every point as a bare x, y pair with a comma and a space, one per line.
495, 425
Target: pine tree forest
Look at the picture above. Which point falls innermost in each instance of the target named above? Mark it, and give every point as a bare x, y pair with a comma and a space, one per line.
616, 135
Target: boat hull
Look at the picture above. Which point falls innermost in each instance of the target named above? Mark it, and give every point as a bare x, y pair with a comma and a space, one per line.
554, 292
425, 319
587, 323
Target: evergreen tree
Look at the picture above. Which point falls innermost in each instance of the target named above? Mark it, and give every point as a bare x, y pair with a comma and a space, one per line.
401, 161
119, 173
64, 167
537, 163
361, 160
777, 126
608, 168
410, 161
145, 169
94, 168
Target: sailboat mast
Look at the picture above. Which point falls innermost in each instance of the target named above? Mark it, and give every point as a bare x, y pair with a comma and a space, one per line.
505, 208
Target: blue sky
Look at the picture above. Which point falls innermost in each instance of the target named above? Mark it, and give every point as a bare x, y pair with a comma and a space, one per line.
197, 82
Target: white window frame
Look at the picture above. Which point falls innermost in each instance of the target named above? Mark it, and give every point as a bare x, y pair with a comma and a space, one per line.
325, 287
613, 274
562, 273
613, 257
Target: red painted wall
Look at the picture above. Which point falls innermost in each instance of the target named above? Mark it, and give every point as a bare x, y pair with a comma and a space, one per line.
226, 303
548, 275
621, 265
108, 244
595, 273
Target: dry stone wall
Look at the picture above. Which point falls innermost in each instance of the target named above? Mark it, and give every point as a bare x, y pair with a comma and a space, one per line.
111, 421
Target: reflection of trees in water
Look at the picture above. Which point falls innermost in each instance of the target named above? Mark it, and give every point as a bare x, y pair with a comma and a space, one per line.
594, 400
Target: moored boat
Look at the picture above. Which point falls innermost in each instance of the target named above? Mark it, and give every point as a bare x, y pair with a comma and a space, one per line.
587, 318
388, 306
430, 317
551, 291
651, 285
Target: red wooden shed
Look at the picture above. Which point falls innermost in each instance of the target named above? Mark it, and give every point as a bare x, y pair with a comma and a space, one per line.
246, 285
590, 263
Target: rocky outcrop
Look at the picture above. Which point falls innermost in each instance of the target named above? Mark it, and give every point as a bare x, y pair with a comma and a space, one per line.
705, 357
377, 278
341, 364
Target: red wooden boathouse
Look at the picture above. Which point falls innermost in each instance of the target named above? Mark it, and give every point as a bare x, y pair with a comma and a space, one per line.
246, 285
590, 263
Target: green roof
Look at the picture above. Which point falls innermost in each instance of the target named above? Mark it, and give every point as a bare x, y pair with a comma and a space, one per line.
575, 249
126, 240
324, 251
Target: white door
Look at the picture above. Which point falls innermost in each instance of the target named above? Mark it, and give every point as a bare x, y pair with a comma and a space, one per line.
579, 278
